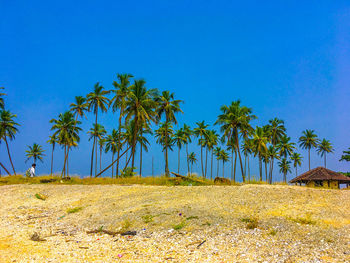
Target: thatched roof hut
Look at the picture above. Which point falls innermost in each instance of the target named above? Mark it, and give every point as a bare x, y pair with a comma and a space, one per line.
322, 177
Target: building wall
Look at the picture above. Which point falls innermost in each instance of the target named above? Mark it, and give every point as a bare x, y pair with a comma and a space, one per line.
332, 184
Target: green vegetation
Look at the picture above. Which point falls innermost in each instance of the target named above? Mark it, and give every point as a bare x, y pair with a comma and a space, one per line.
179, 226
306, 220
74, 210
252, 222
40, 196
147, 218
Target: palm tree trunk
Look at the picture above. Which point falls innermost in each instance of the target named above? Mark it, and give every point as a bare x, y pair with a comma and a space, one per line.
202, 160
206, 161
52, 159
188, 164
248, 169
325, 162
119, 130
266, 171
217, 168
141, 157
4, 169
96, 141
211, 165
260, 168
245, 165
296, 170
234, 174
178, 160
240, 158
223, 169
309, 160
8, 152
100, 158
232, 177
63, 173
92, 158
67, 162
134, 143
113, 164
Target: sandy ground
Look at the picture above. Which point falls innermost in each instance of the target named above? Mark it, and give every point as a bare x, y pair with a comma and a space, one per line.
251, 223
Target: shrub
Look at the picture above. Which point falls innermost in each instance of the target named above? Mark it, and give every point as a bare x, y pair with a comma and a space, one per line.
179, 226
40, 196
252, 222
74, 210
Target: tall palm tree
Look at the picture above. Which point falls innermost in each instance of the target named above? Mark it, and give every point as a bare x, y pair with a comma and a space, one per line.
223, 156
187, 132
79, 107
232, 120
323, 148
247, 148
96, 133
231, 146
121, 93
8, 130
217, 151
112, 145
36, 152
296, 158
179, 140
96, 100
201, 132
192, 159
168, 106
345, 156
101, 144
284, 165
212, 142
140, 106
52, 140
259, 142
143, 142
308, 141
164, 135
2, 102
66, 131
285, 146
273, 153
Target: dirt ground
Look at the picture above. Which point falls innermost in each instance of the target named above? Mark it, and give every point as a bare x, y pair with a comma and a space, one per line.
250, 223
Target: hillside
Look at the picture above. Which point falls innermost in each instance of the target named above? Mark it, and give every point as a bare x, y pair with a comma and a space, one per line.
250, 223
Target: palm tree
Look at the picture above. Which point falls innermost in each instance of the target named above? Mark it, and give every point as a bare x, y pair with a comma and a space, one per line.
101, 144
217, 151
212, 142
201, 132
231, 146
112, 145
143, 142
79, 107
36, 152
164, 135
96, 100
52, 140
179, 140
323, 148
192, 159
118, 101
140, 106
223, 156
66, 132
97, 133
308, 141
247, 148
2, 102
259, 142
345, 156
168, 106
285, 147
296, 158
233, 119
273, 153
284, 165
187, 133
8, 129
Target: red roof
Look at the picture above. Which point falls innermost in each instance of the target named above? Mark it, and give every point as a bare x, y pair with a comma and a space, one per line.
321, 174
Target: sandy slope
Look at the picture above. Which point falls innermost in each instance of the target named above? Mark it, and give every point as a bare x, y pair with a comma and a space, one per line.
295, 224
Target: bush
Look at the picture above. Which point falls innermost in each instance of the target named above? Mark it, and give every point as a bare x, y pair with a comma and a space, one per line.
74, 210
252, 222
128, 172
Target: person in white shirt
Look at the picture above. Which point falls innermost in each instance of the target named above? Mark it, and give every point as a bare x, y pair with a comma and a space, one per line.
32, 170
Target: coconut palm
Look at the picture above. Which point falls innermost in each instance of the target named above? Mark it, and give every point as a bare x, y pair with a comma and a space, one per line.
79, 107
168, 106
101, 144
97, 133
112, 145
231, 146
179, 140
187, 133
284, 165
217, 151
273, 154
308, 141
8, 130
233, 119
345, 156
66, 132
212, 142
259, 142
96, 100
140, 106
296, 158
36, 152
323, 148
52, 140
121, 92
2, 102
223, 156
247, 148
285, 146
164, 135
192, 159
143, 142
201, 132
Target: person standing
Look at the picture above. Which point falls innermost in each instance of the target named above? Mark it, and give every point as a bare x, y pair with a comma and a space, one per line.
31, 171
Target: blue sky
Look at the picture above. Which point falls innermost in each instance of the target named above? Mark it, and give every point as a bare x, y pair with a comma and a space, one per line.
286, 59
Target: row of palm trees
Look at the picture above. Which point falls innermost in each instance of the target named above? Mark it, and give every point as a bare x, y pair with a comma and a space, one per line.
140, 108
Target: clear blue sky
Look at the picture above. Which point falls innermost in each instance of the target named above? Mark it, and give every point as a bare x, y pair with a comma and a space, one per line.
286, 59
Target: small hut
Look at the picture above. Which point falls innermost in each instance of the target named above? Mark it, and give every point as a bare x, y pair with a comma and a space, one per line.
321, 177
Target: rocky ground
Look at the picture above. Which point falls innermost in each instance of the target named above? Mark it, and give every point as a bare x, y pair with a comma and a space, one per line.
250, 223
